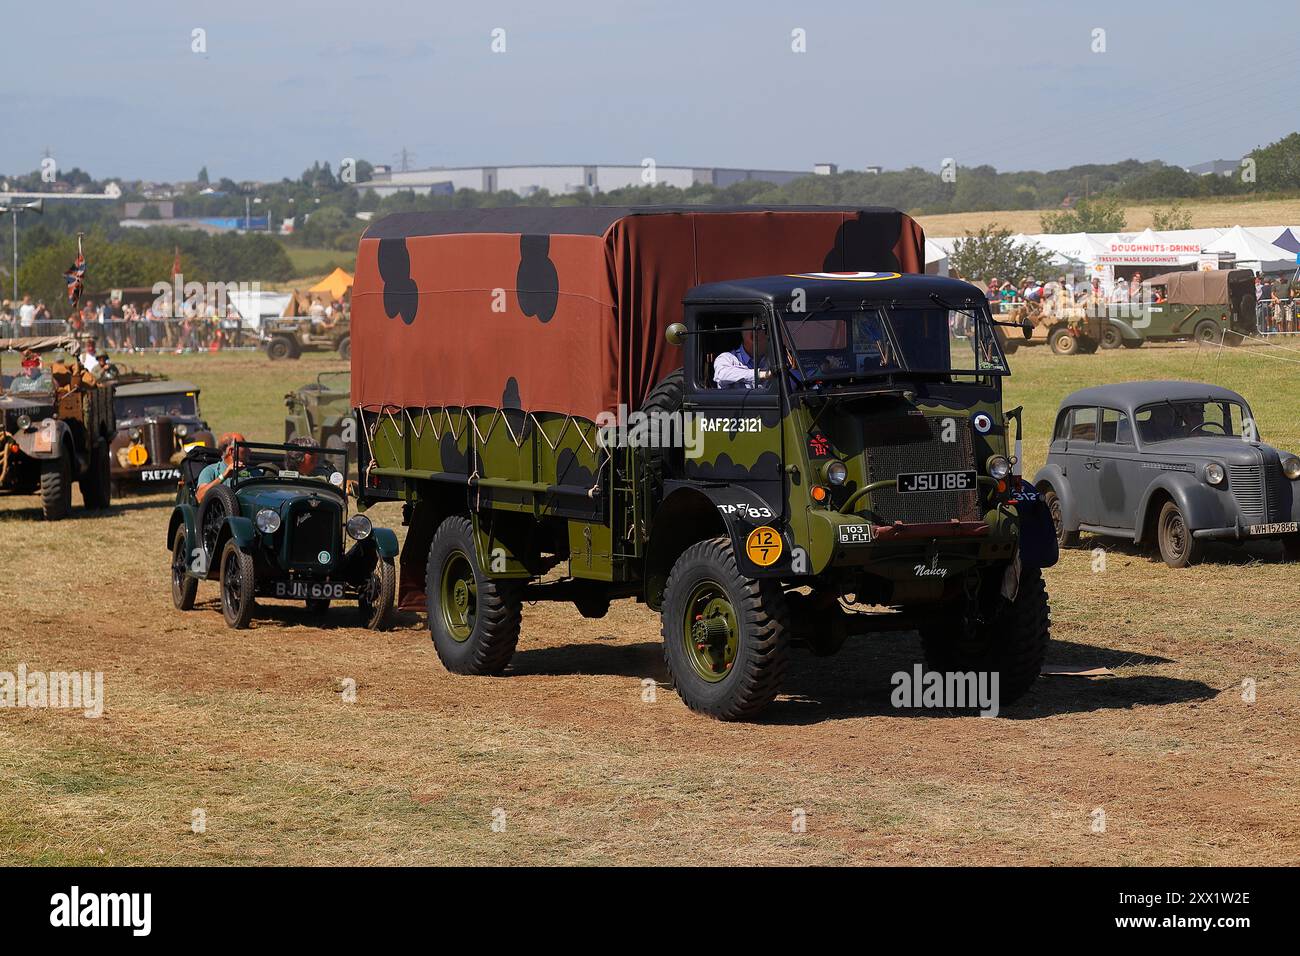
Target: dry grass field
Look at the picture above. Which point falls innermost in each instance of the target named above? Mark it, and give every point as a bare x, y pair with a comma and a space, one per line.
1206, 214
251, 727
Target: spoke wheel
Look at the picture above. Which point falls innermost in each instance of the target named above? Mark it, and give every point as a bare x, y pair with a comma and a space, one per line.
238, 586
184, 587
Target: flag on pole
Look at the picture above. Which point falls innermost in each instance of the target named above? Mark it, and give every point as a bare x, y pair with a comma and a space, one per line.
75, 277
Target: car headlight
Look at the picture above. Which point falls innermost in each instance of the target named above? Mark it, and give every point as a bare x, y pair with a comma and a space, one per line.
359, 527
1291, 467
24, 422
135, 434
998, 467
182, 430
268, 521
1214, 473
836, 472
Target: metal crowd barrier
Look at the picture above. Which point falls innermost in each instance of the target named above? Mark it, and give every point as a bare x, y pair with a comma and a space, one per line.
1277, 318
144, 335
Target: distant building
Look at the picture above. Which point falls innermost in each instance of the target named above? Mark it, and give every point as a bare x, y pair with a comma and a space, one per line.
563, 180
1215, 167
132, 210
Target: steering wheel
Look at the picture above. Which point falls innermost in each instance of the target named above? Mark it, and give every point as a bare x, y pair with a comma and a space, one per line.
1200, 429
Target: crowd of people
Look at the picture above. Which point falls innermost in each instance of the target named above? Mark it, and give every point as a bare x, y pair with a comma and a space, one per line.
129, 328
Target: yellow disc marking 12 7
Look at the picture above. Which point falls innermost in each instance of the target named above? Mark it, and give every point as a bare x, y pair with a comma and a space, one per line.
763, 546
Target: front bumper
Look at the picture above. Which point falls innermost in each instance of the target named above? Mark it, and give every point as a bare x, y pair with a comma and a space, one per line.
1256, 532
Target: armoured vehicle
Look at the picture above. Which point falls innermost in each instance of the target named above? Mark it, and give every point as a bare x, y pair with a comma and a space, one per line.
57, 424
158, 424
1176, 464
322, 411
288, 338
542, 389
278, 529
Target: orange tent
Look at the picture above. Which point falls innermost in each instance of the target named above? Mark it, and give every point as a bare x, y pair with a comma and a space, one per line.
336, 284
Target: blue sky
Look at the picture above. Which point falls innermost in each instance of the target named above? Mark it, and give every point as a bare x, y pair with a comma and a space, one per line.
115, 89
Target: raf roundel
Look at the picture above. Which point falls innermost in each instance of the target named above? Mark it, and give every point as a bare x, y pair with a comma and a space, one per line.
982, 423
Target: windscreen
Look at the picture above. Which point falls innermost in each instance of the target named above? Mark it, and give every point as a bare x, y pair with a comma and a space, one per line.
1167, 421
843, 345
175, 405
260, 462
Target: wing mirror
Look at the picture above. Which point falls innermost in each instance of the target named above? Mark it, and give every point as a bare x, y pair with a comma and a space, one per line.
675, 334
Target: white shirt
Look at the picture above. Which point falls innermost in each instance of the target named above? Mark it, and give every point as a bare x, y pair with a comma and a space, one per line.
734, 369
89, 362
26, 315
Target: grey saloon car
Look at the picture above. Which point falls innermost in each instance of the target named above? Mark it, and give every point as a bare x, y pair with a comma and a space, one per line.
1176, 464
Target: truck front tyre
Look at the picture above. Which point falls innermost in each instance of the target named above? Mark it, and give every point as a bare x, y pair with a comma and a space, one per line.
1111, 338
1208, 332
1012, 643
345, 348
56, 487
280, 347
473, 619
726, 636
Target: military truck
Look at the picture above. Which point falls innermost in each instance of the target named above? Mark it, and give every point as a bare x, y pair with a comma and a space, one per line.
289, 337
543, 390
1203, 305
57, 423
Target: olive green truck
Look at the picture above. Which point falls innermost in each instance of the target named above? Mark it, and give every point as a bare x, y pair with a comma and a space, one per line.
763, 423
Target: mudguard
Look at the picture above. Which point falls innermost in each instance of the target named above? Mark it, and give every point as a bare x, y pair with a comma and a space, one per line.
1038, 545
182, 513
1127, 332
243, 531
27, 440
1050, 475
1201, 506
763, 546
385, 542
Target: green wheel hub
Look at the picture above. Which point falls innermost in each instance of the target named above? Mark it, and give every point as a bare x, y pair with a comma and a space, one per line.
710, 632
459, 594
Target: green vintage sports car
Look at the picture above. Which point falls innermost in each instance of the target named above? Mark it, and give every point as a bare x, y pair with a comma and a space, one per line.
279, 528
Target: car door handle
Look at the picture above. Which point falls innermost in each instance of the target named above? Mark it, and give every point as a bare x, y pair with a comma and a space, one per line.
1092, 463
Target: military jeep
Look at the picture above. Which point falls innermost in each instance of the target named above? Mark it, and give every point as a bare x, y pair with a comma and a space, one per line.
288, 338
57, 423
321, 411
278, 527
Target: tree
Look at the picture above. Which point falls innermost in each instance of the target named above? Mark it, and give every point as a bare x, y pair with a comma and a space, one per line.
202, 177
1277, 166
1100, 214
1173, 216
991, 254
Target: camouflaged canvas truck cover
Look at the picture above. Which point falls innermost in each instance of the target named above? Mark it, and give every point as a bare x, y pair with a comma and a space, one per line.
564, 309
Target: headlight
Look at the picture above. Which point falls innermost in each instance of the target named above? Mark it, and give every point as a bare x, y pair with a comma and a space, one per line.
182, 430
135, 434
1291, 467
24, 422
1214, 473
998, 467
836, 472
268, 521
359, 527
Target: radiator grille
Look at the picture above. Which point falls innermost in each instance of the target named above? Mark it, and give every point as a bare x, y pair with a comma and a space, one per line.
922, 448
1278, 488
312, 530
1247, 485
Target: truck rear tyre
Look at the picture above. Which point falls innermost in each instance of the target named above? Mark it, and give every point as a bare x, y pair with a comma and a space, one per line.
377, 596
1177, 546
1111, 337
473, 619
184, 586
1012, 642
1062, 342
238, 586
726, 636
97, 483
56, 487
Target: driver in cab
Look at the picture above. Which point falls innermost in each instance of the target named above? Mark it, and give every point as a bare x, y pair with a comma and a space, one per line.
737, 368
307, 462
220, 471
